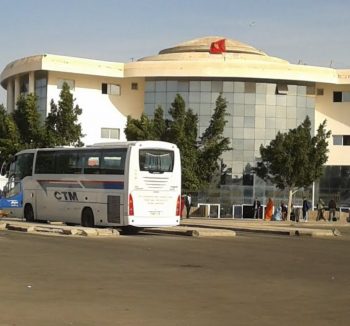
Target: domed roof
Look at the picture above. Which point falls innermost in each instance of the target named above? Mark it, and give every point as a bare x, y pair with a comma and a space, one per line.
199, 50
203, 45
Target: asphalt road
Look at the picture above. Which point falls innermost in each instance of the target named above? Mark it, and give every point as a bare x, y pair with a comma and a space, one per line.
173, 280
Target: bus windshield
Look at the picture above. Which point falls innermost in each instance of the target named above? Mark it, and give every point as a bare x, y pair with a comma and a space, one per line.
156, 160
22, 166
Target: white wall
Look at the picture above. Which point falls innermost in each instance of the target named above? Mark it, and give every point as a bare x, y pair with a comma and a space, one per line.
99, 110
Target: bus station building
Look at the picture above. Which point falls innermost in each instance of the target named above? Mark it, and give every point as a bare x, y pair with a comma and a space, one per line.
265, 94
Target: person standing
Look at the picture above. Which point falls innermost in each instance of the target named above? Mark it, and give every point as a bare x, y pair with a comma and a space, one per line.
269, 210
256, 208
284, 211
320, 210
292, 213
188, 203
305, 209
332, 209
182, 204
277, 216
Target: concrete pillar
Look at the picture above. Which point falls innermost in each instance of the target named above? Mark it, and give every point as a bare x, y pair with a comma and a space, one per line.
9, 96
31, 83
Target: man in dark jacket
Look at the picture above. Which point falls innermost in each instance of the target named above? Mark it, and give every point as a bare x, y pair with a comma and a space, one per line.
188, 204
305, 209
332, 209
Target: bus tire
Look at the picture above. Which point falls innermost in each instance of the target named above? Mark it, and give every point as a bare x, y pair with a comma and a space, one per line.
29, 213
87, 218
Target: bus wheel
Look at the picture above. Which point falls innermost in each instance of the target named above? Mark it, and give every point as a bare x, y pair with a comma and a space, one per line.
87, 218
29, 213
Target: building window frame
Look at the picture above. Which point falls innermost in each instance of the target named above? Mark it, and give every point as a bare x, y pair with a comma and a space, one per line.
111, 89
110, 133
320, 92
341, 96
281, 89
341, 140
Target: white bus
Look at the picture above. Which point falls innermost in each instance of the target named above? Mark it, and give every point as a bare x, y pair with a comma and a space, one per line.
131, 184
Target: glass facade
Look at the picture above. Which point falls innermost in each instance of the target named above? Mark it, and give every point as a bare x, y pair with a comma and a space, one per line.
40, 88
334, 184
24, 84
257, 111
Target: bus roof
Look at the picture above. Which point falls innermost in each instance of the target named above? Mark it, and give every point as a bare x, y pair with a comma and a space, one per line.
139, 143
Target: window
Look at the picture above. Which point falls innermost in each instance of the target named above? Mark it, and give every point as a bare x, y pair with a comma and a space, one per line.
320, 91
134, 86
156, 161
248, 179
23, 166
44, 162
69, 82
337, 140
99, 161
68, 162
341, 140
346, 140
310, 90
337, 97
111, 89
113, 161
110, 133
341, 96
24, 84
249, 87
41, 92
60, 162
281, 89
91, 162
346, 96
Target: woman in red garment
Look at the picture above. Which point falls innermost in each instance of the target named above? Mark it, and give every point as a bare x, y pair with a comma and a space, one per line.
269, 210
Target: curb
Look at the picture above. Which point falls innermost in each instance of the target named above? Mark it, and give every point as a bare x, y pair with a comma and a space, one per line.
193, 231
289, 231
59, 230
317, 232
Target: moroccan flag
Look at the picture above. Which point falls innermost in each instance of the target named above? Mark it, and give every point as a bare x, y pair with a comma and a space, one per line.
218, 47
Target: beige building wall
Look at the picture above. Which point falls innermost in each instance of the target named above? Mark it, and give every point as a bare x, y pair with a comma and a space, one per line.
337, 115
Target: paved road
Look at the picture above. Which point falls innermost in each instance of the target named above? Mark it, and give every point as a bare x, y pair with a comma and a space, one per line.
173, 280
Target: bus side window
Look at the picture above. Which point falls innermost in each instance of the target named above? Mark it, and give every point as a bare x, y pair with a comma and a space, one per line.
113, 162
92, 164
68, 162
45, 162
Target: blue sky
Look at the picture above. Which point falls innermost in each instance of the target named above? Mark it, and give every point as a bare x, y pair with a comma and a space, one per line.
312, 32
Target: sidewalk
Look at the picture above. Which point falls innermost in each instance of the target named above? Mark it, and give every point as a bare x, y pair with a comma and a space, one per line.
194, 226
310, 228
15, 224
